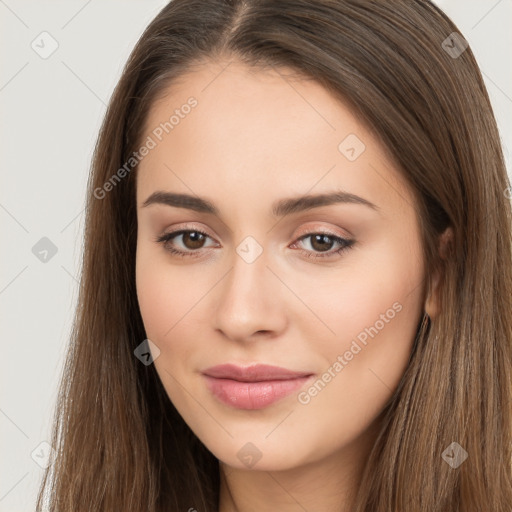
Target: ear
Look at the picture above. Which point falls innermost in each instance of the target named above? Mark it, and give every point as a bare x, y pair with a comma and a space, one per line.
433, 302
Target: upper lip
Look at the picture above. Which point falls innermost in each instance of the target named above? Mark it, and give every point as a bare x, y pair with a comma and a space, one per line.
254, 373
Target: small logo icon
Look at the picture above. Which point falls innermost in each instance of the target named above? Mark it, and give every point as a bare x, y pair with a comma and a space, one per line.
249, 249
351, 147
44, 250
249, 454
454, 45
147, 352
454, 455
44, 45
43, 454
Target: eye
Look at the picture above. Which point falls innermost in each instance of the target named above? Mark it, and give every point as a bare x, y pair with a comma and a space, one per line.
188, 242
321, 245
190, 239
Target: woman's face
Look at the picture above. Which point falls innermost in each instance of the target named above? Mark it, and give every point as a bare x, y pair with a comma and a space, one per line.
292, 269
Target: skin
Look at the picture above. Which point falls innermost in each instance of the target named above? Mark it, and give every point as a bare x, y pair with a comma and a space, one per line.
256, 137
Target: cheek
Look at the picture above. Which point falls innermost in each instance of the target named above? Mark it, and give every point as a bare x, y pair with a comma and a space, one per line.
155, 300
374, 310
169, 298
370, 282
160, 304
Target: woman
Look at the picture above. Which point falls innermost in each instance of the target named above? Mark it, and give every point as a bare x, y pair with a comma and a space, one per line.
297, 279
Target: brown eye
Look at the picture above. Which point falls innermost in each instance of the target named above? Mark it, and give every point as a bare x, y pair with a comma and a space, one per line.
193, 239
185, 242
320, 242
323, 245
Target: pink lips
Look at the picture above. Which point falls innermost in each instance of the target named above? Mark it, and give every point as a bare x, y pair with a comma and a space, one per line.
252, 387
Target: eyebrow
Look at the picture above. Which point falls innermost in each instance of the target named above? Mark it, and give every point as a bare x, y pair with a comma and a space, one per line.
279, 208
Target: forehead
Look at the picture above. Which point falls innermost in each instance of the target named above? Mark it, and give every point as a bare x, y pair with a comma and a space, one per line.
250, 127
231, 95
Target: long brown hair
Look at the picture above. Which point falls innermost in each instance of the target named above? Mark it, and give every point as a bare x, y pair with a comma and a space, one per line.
120, 443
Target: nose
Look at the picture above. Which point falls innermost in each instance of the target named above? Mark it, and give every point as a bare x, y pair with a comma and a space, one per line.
250, 302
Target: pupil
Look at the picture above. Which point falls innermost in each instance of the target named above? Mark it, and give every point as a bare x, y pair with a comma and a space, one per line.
195, 240
322, 242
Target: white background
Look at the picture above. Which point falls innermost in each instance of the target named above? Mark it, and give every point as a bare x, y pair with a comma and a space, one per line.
51, 110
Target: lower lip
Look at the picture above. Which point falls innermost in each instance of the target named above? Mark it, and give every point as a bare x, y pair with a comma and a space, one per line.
252, 395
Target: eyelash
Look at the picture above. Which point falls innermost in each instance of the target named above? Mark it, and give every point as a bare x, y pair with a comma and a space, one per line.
346, 244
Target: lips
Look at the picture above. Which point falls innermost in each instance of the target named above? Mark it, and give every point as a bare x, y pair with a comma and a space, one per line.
255, 373
252, 387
